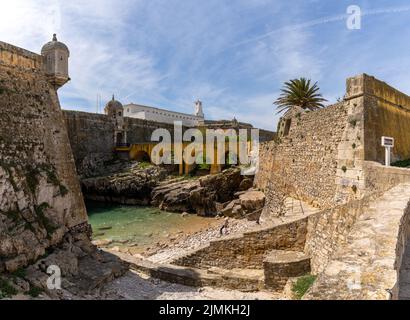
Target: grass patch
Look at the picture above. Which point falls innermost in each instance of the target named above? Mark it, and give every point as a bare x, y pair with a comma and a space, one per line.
32, 179
35, 292
52, 178
6, 289
402, 163
20, 273
302, 285
13, 215
353, 123
63, 190
204, 166
144, 165
50, 228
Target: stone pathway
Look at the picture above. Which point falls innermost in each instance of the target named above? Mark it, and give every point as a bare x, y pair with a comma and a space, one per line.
365, 268
138, 286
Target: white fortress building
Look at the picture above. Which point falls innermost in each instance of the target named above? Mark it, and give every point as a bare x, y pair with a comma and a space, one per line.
161, 115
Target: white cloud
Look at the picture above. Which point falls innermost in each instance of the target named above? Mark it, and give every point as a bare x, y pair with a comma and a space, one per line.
93, 30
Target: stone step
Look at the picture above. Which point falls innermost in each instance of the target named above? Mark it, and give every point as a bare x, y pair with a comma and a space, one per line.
280, 265
246, 280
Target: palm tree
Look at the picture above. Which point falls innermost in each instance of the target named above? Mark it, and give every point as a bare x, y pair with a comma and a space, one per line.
299, 93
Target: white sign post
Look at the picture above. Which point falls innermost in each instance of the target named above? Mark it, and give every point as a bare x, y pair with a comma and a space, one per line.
388, 143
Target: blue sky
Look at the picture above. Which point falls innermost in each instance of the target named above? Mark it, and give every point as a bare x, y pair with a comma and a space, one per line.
233, 55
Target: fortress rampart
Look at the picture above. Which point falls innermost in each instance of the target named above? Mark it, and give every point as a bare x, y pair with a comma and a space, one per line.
19, 58
333, 159
40, 195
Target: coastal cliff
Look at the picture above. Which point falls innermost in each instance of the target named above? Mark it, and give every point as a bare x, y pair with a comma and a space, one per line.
40, 196
43, 219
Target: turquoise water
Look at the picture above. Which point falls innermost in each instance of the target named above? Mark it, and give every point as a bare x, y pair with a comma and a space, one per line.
138, 225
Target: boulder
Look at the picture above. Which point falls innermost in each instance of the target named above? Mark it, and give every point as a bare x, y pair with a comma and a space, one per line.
249, 205
132, 186
203, 196
252, 201
246, 184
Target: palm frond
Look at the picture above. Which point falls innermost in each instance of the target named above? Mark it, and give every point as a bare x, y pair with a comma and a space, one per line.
299, 93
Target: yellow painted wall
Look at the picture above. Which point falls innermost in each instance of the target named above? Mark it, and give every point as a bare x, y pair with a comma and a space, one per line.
387, 113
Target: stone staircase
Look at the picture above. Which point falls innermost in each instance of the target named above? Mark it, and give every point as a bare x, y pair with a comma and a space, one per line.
278, 267
246, 280
260, 259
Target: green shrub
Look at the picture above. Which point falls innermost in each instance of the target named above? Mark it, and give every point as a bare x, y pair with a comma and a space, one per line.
32, 179
144, 165
47, 224
344, 169
20, 273
13, 215
402, 163
35, 292
6, 289
63, 190
302, 285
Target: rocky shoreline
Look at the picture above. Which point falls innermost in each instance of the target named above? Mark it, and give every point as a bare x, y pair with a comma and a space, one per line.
227, 193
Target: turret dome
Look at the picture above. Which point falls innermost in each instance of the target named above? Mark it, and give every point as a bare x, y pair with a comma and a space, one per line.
114, 108
55, 57
114, 104
54, 45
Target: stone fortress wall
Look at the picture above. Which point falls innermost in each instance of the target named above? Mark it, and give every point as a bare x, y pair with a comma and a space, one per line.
92, 136
306, 158
386, 113
357, 241
40, 196
329, 159
336, 142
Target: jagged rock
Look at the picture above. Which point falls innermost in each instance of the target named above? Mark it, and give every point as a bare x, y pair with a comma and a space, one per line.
252, 200
81, 273
202, 196
102, 243
246, 184
248, 205
228, 210
131, 186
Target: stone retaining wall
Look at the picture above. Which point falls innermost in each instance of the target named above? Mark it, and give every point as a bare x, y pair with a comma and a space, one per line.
245, 280
368, 264
248, 250
279, 266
